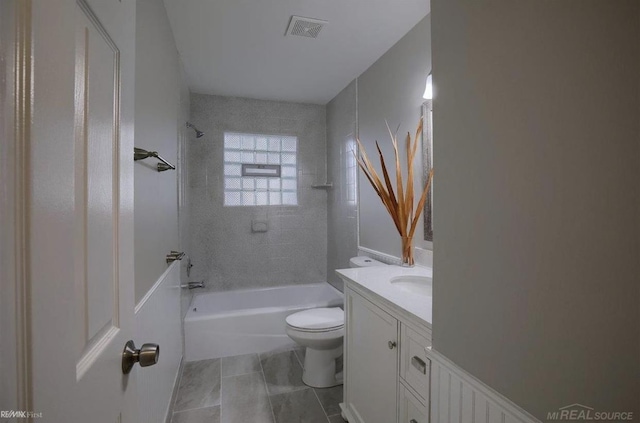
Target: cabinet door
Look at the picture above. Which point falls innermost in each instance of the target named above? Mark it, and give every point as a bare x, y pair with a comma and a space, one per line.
372, 362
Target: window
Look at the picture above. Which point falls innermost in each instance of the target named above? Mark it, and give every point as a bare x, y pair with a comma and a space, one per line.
351, 172
428, 89
277, 185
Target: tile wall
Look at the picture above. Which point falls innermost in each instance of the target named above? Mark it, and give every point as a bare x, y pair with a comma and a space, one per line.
225, 252
342, 240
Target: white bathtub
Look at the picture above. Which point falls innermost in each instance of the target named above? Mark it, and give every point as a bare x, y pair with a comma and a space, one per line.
222, 324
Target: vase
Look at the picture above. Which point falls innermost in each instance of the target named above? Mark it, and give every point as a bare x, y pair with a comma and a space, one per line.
407, 251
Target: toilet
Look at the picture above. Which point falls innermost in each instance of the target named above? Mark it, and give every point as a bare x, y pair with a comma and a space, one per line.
321, 332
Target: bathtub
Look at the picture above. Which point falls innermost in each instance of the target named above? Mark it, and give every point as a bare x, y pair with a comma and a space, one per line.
222, 324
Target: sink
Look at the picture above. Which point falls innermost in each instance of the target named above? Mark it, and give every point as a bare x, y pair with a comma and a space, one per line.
419, 285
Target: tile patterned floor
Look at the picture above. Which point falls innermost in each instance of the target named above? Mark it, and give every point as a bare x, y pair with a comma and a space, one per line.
256, 388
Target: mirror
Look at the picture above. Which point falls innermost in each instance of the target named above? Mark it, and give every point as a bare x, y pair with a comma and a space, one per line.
427, 164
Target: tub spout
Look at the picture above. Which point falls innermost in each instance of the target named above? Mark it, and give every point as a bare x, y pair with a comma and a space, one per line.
193, 285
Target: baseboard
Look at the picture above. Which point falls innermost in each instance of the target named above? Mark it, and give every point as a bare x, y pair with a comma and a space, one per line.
345, 412
458, 397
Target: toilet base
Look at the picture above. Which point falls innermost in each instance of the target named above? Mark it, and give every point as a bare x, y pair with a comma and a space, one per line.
320, 368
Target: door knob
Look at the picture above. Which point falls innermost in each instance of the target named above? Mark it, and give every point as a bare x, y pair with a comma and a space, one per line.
146, 356
392, 344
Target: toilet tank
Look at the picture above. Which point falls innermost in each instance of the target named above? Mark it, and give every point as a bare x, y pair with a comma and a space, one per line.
363, 261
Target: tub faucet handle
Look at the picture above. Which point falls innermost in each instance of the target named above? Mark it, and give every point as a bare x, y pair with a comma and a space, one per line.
193, 285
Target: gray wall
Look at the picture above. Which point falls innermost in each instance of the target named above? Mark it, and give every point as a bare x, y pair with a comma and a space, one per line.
538, 161
225, 251
342, 213
157, 115
391, 89
8, 233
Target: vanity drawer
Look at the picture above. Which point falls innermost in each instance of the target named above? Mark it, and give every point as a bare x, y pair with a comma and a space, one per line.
411, 409
414, 365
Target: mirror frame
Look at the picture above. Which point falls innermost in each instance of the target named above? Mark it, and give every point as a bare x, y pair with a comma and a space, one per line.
427, 165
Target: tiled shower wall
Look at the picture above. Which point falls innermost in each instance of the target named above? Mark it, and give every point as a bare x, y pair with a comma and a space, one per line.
225, 253
342, 169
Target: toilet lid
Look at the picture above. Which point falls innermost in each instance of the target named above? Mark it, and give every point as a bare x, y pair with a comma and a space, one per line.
317, 318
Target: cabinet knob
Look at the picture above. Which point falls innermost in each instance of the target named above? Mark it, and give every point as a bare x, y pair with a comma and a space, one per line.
413, 421
392, 344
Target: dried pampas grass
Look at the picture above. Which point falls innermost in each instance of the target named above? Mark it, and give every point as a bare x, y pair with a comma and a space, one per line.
400, 203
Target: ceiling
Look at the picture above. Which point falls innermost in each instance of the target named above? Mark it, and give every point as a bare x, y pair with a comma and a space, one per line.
238, 47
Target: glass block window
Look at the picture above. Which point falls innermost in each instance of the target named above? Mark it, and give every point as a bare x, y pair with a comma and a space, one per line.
281, 150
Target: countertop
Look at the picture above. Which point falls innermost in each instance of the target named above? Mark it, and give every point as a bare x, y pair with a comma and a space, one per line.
375, 280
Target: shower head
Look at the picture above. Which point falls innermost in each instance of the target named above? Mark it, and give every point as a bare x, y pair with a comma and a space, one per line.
199, 134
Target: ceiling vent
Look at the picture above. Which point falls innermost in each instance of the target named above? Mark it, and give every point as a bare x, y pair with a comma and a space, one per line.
305, 27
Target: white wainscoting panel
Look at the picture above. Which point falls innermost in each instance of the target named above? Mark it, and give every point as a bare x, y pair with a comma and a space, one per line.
158, 320
458, 397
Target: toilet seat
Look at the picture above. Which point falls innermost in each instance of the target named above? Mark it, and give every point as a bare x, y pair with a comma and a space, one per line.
317, 320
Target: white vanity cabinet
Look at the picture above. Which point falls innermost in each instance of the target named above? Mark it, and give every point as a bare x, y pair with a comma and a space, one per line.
372, 361
386, 372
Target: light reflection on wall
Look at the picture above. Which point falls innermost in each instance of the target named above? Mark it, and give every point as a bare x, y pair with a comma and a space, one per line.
351, 171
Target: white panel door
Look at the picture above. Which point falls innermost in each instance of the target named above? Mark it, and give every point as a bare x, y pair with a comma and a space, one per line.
81, 209
372, 361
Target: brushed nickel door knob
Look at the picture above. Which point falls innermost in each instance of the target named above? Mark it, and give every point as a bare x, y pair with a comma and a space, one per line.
146, 356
